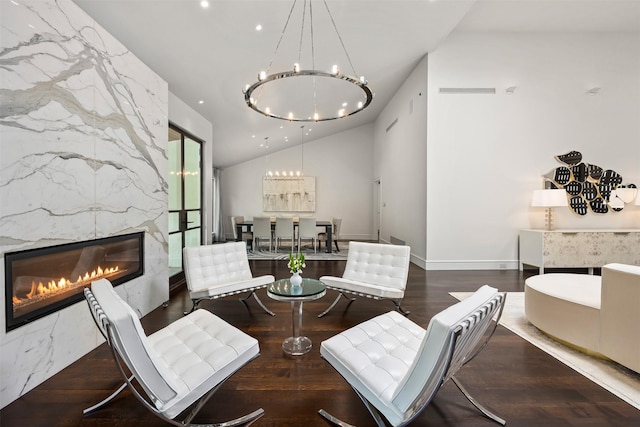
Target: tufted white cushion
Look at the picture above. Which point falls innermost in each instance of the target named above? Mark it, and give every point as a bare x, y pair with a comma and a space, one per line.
201, 350
375, 356
394, 363
219, 270
181, 362
374, 269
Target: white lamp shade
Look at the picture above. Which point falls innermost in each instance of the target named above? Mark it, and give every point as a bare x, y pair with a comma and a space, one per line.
549, 198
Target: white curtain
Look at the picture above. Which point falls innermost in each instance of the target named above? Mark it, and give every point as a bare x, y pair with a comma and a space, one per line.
216, 227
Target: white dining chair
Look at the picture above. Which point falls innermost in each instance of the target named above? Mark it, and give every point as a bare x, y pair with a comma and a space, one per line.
262, 231
284, 230
336, 223
307, 231
246, 236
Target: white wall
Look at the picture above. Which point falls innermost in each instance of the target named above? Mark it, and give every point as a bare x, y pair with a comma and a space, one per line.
400, 163
486, 153
342, 165
186, 118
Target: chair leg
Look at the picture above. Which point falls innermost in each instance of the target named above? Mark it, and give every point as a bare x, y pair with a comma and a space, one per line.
106, 400
258, 300
333, 420
372, 410
487, 413
193, 307
400, 309
246, 419
333, 304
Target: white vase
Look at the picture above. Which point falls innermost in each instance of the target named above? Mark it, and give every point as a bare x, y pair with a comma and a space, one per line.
296, 279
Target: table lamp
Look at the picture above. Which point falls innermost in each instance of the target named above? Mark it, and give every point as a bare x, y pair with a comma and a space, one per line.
549, 198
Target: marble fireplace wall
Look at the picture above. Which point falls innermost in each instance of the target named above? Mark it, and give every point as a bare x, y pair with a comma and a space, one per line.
83, 155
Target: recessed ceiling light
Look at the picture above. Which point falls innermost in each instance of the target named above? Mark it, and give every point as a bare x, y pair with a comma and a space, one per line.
204, 4
258, 27
201, 102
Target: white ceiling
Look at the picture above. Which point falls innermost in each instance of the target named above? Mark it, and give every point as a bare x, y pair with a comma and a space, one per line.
210, 54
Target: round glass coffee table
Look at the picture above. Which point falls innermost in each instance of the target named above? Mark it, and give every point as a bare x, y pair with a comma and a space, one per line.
309, 290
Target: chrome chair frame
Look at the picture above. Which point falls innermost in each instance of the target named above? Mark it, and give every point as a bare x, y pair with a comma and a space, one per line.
102, 323
462, 347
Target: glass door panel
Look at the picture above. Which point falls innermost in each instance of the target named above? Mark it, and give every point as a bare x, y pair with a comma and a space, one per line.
185, 196
192, 191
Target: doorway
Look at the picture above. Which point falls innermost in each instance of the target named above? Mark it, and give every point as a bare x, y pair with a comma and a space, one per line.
377, 211
185, 195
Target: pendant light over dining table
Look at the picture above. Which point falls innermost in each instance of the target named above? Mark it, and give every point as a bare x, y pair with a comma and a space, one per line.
308, 95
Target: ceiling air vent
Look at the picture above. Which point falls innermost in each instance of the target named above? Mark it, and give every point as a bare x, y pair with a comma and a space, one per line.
469, 90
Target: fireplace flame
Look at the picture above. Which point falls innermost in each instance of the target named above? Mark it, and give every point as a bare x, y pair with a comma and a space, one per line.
41, 289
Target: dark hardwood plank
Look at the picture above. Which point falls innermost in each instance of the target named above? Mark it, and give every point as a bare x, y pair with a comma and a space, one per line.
518, 381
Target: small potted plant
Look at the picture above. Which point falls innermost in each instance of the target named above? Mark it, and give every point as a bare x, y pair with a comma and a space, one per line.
296, 264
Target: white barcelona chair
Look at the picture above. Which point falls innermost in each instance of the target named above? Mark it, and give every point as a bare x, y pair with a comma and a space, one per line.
172, 372
220, 270
396, 367
373, 270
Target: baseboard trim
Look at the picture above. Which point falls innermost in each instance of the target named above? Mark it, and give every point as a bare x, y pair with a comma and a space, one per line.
472, 265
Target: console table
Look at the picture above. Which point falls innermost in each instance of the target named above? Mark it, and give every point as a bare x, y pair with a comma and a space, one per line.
578, 248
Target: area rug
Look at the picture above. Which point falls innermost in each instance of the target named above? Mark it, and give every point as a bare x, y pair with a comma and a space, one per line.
321, 255
620, 381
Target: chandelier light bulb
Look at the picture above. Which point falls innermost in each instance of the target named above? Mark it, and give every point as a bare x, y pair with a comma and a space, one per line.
278, 98
359, 104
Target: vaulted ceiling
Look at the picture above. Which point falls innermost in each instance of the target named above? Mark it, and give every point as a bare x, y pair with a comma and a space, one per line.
208, 55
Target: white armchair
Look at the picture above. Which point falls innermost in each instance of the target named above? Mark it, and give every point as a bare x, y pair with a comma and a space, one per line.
177, 368
396, 367
373, 270
220, 270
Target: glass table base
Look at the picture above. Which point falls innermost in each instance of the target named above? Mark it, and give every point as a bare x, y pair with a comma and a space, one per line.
296, 346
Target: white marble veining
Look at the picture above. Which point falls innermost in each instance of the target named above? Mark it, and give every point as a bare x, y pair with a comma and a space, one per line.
83, 155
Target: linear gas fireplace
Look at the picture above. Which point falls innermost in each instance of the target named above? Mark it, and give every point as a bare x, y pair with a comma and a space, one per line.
41, 281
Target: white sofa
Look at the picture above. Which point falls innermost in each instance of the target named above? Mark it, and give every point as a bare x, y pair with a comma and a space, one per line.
220, 270
600, 314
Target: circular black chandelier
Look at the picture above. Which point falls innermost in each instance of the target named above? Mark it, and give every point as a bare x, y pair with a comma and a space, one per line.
315, 95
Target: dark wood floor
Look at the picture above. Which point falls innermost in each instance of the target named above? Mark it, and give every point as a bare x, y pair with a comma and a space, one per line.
512, 377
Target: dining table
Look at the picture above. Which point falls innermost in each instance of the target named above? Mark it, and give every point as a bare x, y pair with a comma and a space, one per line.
247, 227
